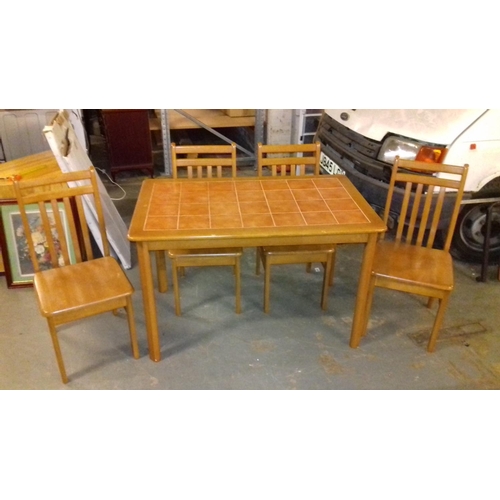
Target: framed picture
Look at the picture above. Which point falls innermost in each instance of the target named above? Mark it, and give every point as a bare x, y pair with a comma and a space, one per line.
19, 269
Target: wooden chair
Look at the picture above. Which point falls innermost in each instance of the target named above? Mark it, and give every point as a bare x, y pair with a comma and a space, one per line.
295, 160
69, 283
199, 161
410, 263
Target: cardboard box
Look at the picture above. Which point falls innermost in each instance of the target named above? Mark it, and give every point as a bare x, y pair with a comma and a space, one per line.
234, 113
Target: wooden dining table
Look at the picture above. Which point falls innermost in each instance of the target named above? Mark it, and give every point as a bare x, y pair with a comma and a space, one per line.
250, 212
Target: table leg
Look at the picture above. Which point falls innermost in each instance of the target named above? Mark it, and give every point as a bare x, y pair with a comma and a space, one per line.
363, 285
148, 298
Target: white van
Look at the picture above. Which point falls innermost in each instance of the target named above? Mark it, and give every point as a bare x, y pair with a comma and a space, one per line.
362, 144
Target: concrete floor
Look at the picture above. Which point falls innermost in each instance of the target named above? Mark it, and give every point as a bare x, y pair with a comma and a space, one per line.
296, 346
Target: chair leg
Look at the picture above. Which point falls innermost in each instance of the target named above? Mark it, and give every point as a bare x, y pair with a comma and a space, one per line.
332, 269
175, 279
258, 257
430, 302
267, 283
237, 275
131, 326
326, 282
161, 271
57, 349
443, 303
368, 305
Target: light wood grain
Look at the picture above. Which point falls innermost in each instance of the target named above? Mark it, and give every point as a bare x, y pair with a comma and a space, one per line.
74, 287
360, 225
410, 263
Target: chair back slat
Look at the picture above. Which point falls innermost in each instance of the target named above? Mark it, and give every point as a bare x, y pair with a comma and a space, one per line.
83, 230
420, 190
414, 211
100, 214
404, 210
63, 237
73, 230
288, 159
203, 161
63, 250
428, 199
437, 215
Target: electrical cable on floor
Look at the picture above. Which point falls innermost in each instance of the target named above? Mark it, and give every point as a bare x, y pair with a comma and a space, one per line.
97, 168
112, 182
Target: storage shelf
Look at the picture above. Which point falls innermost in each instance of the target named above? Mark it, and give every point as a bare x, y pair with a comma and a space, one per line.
213, 118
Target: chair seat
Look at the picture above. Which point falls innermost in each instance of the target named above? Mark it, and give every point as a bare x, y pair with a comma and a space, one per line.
409, 265
99, 281
205, 257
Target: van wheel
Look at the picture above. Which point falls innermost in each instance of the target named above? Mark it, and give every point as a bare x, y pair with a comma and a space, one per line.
468, 239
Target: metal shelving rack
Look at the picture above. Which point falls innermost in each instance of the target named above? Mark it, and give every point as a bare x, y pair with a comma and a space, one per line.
260, 116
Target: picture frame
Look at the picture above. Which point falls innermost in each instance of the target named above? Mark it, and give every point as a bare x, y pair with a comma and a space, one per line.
18, 267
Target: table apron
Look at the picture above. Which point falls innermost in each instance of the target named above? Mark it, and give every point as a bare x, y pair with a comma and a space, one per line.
165, 244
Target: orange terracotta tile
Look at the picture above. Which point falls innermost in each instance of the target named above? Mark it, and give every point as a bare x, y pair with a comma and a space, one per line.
279, 195
312, 206
160, 223
342, 204
283, 206
288, 219
334, 193
301, 184
257, 220
225, 221
319, 218
217, 187
250, 185
194, 186
327, 182
194, 209
257, 207
156, 209
194, 222
306, 194
350, 217
223, 197
159, 197
224, 209
251, 196
194, 197
272, 185
165, 189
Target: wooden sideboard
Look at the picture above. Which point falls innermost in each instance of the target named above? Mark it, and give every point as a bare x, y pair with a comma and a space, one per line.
128, 140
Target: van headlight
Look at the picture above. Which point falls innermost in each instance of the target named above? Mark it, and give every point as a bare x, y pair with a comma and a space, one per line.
410, 149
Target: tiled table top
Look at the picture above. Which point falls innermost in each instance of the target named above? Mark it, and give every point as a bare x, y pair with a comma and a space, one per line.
249, 212
224, 204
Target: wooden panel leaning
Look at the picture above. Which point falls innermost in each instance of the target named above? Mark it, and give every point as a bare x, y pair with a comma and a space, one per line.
201, 161
294, 160
76, 284
409, 262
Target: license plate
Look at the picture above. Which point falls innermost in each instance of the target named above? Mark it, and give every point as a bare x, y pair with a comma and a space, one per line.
329, 166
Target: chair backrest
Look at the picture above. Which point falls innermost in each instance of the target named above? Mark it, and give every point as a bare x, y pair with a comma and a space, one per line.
418, 189
203, 161
54, 221
289, 159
